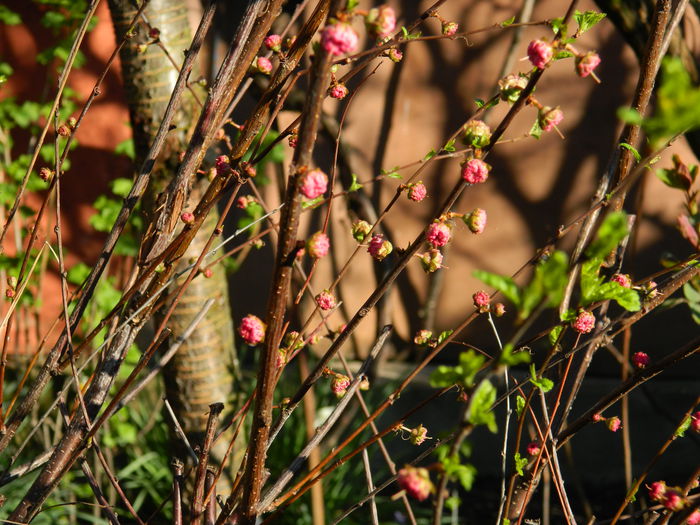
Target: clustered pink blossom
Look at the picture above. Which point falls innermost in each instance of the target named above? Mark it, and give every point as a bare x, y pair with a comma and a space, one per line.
378, 247
438, 234
263, 65
252, 329
533, 448
657, 491
585, 64
549, 118
273, 42
640, 360
339, 39
417, 192
187, 217
313, 184
540, 53
622, 279
395, 55
416, 482
381, 21
475, 171
340, 384
481, 300
422, 337
431, 260
695, 422
694, 518
613, 423
339, 91
318, 244
584, 322
476, 221
449, 28
325, 300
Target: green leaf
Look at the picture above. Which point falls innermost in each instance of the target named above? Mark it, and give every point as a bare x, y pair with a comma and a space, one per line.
685, 425
542, 383
354, 186
610, 233
450, 146
554, 334
480, 408
559, 27
121, 186
8, 17
502, 283
520, 464
519, 404
625, 297
587, 20
393, 173
444, 335
630, 116
78, 273
462, 374
465, 474
430, 154
352, 4
549, 281
632, 149
126, 148
536, 129
312, 203
508, 22
509, 358
453, 503
479, 102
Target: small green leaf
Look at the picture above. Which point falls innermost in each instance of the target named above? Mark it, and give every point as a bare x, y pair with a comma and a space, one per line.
536, 129
354, 186
453, 502
554, 334
559, 27
312, 203
625, 297
352, 4
78, 273
479, 102
450, 146
587, 20
444, 335
503, 284
510, 358
520, 464
430, 154
126, 148
685, 425
508, 22
121, 186
610, 233
630, 116
632, 149
8, 17
519, 404
480, 409
404, 32
462, 374
393, 173
542, 383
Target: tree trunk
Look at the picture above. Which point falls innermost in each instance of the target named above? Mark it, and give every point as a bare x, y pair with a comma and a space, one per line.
200, 373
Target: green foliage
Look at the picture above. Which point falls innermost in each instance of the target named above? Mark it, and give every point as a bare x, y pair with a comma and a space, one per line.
519, 404
554, 334
637, 156
456, 470
692, 296
9, 17
520, 464
354, 185
587, 20
126, 148
510, 358
462, 374
508, 22
392, 173
536, 130
107, 210
482, 400
544, 384
683, 427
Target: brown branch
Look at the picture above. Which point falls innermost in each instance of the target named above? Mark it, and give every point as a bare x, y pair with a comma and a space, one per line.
198, 492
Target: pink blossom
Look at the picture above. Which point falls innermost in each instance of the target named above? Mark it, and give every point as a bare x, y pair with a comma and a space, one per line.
481, 300
640, 360
263, 65
476, 221
417, 192
325, 300
252, 329
419, 435
657, 491
339, 91
340, 384
613, 423
585, 64
422, 337
540, 53
499, 309
622, 279
314, 184
378, 247
694, 518
395, 55
222, 165
475, 171
431, 260
584, 322
339, 39
381, 21
549, 118
273, 42
533, 448
695, 422
673, 501
449, 28
318, 245
187, 217
476, 133
438, 234
416, 482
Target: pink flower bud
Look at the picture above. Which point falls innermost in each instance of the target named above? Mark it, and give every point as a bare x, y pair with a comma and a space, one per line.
378, 247
540, 53
339, 39
318, 245
475, 171
263, 65
585, 64
313, 184
476, 133
208, 273
154, 32
640, 360
293, 338
417, 191
252, 330
613, 423
438, 234
622, 279
694, 518
695, 422
46, 173
657, 491
422, 337
281, 357
381, 21
549, 118
340, 384
360, 230
499, 309
395, 55
339, 91
325, 300
63, 130
476, 221
598, 418
222, 165
273, 43
584, 322
10, 293
418, 435
416, 482
449, 28
674, 501
481, 300
431, 260
533, 448
187, 217
511, 86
